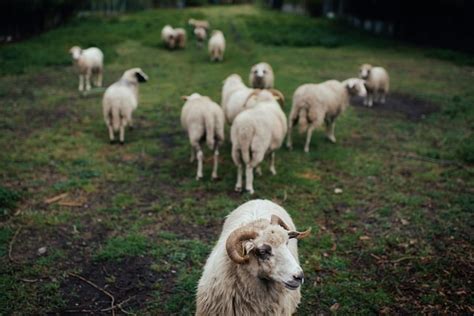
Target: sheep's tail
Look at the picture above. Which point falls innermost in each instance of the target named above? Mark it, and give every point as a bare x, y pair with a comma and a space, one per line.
246, 134
303, 119
209, 124
115, 117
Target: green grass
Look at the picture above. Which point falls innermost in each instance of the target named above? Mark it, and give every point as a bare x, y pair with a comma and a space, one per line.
397, 240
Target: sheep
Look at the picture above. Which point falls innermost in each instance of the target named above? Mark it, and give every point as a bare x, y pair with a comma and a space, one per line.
120, 100
216, 46
199, 23
315, 104
254, 267
377, 83
261, 76
254, 133
88, 62
235, 97
173, 38
203, 119
201, 35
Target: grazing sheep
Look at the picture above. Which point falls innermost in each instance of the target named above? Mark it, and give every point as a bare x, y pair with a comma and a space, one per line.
120, 100
315, 104
199, 23
168, 36
203, 119
261, 76
236, 97
88, 62
216, 46
201, 35
377, 83
254, 268
256, 132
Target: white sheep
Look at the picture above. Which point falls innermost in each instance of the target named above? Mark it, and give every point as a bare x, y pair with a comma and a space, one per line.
216, 46
254, 133
377, 83
199, 23
120, 100
254, 267
173, 38
236, 97
203, 119
88, 62
180, 35
261, 76
201, 35
315, 104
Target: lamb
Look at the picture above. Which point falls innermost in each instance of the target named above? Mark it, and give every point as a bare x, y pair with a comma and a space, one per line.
199, 23
315, 104
377, 83
88, 62
236, 97
254, 267
204, 120
120, 100
254, 133
173, 38
201, 35
261, 76
216, 46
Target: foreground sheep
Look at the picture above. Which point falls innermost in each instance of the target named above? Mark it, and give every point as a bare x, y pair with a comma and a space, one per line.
88, 62
315, 104
254, 267
261, 76
203, 119
120, 100
236, 97
254, 133
216, 46
173, 38
377, 83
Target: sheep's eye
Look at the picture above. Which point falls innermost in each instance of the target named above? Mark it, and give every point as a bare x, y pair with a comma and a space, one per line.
264, 72
255, 71
264, 252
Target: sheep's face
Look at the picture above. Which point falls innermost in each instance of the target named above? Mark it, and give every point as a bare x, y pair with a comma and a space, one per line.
364, 72
135, 75
200, 33
258, 73
270, 258
75, 52
356, 87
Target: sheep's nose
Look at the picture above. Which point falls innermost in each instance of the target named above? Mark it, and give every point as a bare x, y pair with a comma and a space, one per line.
299, 277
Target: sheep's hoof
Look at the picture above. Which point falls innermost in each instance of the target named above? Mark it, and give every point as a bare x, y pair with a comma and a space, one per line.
122, 143
290, 147
112, 142
238, 189
273, 172
306, 149
199, 177
251, 191
215, 177
332, 139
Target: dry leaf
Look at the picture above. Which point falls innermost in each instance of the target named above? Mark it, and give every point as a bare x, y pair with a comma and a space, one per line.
364, 238
334, 307
55, 198
337, 191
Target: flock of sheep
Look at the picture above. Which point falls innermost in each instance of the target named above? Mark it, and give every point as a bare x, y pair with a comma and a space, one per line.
254, 267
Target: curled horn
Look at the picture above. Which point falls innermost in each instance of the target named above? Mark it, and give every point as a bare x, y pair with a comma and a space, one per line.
291, 234
234, 247
254, 93
281, 97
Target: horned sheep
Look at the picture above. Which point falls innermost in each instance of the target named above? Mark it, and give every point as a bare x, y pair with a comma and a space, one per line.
203, 119
315, 104
261, 76
120, 100
88, 62
216, 46
377, 83
254, 133
254, 268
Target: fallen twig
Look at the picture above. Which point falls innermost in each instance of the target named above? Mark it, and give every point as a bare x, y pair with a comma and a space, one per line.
403, 259
10, 246
112, 298
119, 306
55, 198
70, 203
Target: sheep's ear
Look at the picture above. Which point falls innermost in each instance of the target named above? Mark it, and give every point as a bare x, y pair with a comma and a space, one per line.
299, 235
140, 77
184, 97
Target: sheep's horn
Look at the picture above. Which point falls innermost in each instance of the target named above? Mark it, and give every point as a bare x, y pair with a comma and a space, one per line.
281, 97
254, 92
234, 247
291, 234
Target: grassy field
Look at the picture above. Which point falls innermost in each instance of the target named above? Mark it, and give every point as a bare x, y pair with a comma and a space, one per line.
135, 222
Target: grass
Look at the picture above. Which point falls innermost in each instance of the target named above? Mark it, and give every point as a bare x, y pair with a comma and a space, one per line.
398, 240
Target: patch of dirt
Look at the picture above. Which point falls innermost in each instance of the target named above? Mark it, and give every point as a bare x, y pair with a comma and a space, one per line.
130, 281
207, 232
413, 108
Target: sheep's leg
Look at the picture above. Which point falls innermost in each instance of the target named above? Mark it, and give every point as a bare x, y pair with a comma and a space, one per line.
330, 130
382, 97
200, 158
370, 99
238, 163
88, 80
272, 164
216, 162
289, 141
81, 83
193, 155
123, 124
258, 170
249, 178
99, 78
111, 132
309, 133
